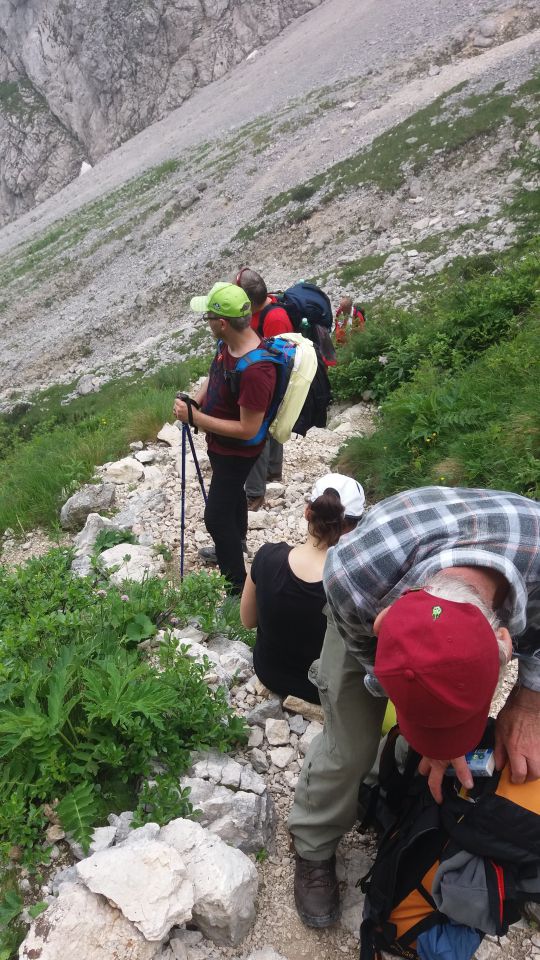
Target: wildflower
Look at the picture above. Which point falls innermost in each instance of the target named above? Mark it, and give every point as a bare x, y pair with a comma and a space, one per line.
383, 360
101, 593
124, 598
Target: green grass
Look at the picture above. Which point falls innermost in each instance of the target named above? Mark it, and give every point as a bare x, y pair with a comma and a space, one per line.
20, 96
440, 126
51, 449
358, 268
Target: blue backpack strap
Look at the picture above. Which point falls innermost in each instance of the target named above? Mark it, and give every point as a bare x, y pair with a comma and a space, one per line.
280, 353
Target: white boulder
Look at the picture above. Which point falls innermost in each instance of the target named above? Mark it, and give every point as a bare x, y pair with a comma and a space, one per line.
225, 881
126, 470
130, 561
147, 881
170, 434
85, 540
79, 924
277, 732
244, 819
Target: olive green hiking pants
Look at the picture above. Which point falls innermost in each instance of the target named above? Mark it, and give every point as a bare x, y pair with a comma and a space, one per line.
325, 800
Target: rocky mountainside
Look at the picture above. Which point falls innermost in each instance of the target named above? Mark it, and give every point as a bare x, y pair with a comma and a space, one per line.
367, 183
78, 79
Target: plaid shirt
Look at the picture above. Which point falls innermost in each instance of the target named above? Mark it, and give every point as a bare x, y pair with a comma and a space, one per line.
404, 540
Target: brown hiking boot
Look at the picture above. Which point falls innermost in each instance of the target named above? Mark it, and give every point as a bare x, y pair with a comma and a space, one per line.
316, 891
255, 503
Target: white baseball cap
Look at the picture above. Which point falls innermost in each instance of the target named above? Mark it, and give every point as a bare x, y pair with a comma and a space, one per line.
351, 493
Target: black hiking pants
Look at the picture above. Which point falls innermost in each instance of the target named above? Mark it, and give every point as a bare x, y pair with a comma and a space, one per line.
225, 515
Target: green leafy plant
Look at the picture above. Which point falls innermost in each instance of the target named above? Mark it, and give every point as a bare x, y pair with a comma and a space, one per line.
466, 410
85, 716
110, 538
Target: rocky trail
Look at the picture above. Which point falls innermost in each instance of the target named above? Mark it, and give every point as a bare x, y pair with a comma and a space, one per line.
146, 500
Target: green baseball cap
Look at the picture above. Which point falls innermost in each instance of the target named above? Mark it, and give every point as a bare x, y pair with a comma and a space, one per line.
225, 299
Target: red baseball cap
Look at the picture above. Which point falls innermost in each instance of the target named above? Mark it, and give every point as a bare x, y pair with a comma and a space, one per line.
438, 661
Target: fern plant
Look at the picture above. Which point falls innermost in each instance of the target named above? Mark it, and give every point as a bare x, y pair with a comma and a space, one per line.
85, 717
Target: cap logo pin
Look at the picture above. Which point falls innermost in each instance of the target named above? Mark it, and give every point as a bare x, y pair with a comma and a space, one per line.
436, 612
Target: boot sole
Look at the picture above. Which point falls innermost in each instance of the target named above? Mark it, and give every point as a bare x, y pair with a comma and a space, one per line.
318, 922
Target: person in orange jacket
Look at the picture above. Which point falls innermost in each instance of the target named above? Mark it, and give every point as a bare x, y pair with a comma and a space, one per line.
349, 317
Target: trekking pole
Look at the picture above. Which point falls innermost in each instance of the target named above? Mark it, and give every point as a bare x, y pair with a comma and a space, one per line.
186, 433
183, 502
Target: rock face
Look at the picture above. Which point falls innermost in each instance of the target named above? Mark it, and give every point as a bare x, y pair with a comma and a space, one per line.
83, 77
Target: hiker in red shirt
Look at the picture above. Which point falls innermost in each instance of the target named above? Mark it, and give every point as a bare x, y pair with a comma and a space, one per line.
268, 319
349, 317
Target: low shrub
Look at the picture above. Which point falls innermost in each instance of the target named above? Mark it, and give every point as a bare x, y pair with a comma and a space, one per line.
460, 314
85, 717
477, 427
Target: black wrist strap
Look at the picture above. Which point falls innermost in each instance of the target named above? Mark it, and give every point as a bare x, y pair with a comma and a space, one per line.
190, 403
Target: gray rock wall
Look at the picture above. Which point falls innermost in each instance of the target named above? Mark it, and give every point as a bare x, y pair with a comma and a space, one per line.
79, 78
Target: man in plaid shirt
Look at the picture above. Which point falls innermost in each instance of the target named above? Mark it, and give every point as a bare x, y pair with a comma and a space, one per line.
480, 551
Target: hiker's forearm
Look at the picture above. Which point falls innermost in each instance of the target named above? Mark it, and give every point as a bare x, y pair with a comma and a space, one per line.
235, 429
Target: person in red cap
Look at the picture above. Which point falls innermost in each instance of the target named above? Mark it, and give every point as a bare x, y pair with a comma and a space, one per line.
423, 600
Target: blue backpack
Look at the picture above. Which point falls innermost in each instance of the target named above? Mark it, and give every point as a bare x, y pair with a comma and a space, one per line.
303, 301
281, 353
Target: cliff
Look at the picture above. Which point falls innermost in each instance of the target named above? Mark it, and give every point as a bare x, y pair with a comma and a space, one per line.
77, 79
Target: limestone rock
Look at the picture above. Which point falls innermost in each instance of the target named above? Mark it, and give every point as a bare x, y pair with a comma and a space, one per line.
351, 866
148, 881
243, 819
270, 708
87, 384
259, 519
170, 435
121, 824
281, 757
313, 730
311, 711
84, 926
277, 732
145, 456
127, 470
220, 769
258, 760
89, 499
225, 881
81, 566
85, 540
128, 561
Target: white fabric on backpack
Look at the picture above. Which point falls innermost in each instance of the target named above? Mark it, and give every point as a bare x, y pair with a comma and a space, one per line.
303, 372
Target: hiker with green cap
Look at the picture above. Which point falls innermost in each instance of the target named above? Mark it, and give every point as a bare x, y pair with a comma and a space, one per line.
231, 422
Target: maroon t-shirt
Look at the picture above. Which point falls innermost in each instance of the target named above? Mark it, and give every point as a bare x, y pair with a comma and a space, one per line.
257, 385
